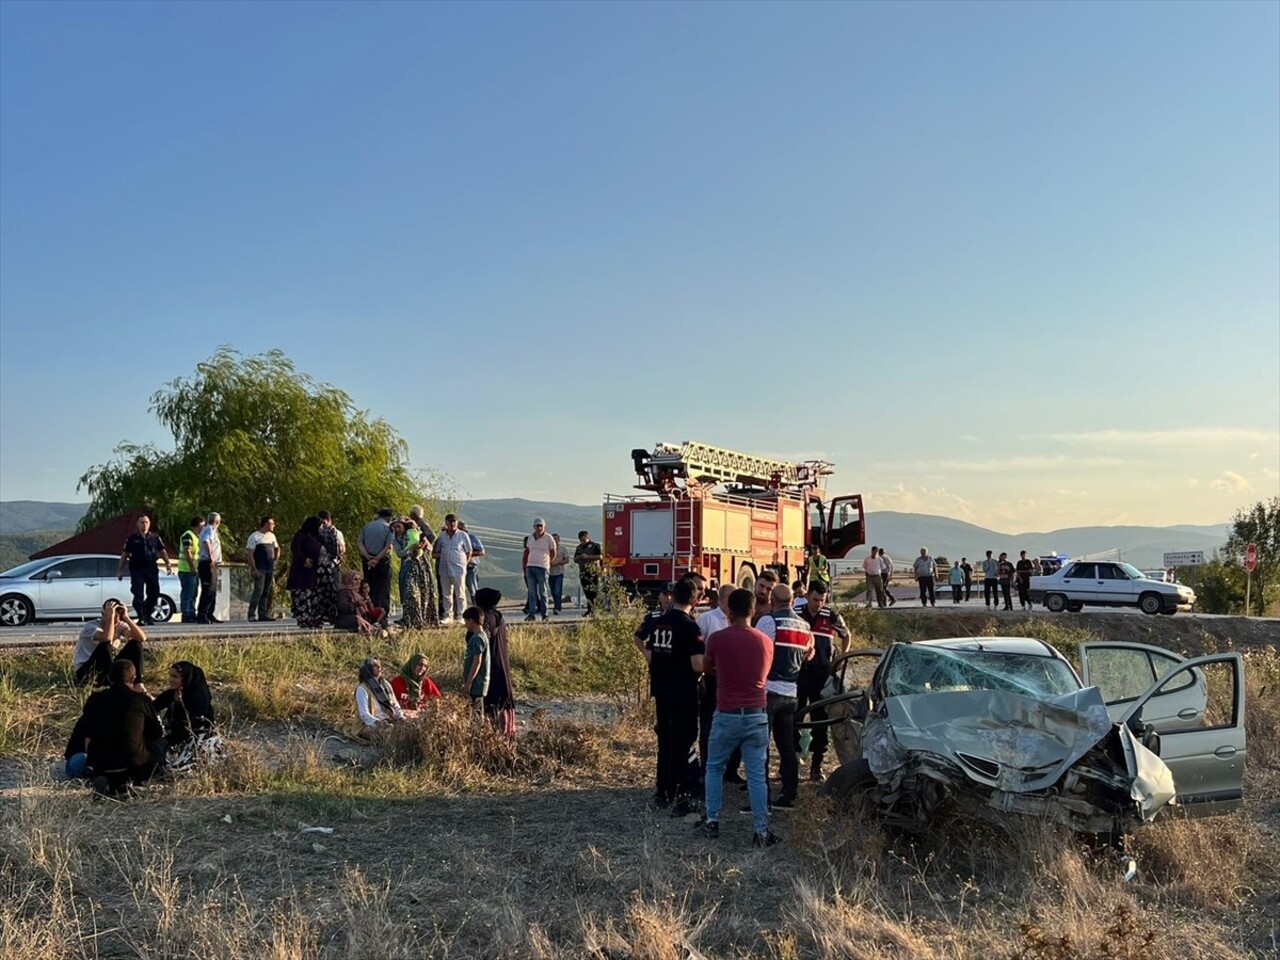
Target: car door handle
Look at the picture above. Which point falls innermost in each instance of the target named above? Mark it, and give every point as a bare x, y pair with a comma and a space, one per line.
1188, 713
1225, 752
91, 583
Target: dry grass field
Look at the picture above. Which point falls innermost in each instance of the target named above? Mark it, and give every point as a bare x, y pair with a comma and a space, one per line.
447, 841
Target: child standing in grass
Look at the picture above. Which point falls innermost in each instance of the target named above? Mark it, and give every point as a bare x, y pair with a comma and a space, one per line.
475, 665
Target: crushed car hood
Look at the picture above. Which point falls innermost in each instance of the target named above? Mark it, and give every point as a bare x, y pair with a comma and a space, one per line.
1004, 740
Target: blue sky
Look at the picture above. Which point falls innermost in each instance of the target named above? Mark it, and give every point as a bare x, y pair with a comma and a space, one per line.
1013, 263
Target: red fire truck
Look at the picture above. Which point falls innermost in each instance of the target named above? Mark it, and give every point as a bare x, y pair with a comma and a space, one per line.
726, 515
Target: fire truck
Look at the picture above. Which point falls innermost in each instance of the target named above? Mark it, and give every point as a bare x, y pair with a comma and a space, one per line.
726, 515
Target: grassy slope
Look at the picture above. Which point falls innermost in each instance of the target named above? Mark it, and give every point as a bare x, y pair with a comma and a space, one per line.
449, 842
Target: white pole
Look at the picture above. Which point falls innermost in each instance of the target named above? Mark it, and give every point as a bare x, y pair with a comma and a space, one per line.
1248, 582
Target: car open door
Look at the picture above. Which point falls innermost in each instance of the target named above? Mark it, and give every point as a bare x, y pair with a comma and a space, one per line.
1125, 671
845, 527
1207, 758
843, 706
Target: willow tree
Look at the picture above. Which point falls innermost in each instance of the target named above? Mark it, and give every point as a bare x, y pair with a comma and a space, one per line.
253, 436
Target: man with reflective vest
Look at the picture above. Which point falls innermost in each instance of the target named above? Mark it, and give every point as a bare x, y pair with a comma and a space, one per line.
792, 646
830, 635
817, 570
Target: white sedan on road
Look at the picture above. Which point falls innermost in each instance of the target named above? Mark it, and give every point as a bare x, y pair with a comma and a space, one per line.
73, 588
1108, 584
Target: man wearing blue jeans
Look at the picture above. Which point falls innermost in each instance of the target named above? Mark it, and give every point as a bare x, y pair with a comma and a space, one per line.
739, 657
539, 552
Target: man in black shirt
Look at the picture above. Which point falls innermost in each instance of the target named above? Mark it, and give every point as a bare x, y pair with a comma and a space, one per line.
673, 646
122, 734
1023, 570
141, 551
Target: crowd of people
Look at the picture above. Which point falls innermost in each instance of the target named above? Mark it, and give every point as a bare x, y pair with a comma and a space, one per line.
1000, 577
728, 683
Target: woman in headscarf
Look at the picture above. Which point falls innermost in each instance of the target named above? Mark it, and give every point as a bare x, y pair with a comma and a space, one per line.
412, 685
375, 702
500, 701
187, 705
418, 600
355, 613
305, 553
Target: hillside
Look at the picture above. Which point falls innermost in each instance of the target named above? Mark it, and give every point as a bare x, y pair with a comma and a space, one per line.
16, 548
28, 516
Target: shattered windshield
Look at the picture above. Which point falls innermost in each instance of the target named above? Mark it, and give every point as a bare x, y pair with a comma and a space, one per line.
918, 669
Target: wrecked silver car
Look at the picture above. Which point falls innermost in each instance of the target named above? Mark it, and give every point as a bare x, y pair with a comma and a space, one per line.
999, 725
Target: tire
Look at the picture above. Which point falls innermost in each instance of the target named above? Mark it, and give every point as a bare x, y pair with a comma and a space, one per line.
164, 610
850, 780
1150, 603
16, 611
746, 577
1055, 603
1074, 606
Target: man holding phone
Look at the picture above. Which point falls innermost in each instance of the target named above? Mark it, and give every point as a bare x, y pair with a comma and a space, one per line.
96, 645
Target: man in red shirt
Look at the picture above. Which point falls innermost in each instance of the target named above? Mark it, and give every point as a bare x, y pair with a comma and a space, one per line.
739, 656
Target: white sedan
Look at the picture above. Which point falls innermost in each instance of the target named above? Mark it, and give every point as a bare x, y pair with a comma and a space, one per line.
1108, 584
73, 588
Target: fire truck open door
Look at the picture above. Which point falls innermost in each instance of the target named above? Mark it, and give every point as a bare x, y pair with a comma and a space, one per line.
846, 527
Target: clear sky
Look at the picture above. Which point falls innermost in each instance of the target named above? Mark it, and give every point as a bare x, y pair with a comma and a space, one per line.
1016, 263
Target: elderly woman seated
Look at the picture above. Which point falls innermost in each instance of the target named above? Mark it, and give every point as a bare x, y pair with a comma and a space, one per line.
355, 611
376, 702
412, 685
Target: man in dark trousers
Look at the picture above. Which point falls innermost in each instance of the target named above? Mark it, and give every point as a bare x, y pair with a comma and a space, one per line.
827, 627
123, 737
674, 649
739, 656
792, 646
142, 551
376, 543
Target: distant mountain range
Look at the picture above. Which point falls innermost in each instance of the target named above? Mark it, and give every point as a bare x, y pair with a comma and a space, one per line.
502, 524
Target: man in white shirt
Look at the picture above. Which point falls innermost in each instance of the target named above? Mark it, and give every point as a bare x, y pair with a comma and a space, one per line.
875, 583
263, 553
210, 568
925, 570
886, 574
539, 551
452, 551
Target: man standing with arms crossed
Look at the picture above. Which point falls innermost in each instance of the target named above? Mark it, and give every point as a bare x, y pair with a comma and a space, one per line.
739, 656
587, 556
990, 583
539, 551
263, 553
875, 581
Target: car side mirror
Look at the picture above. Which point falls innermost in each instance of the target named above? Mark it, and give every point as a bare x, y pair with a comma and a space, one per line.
53, 575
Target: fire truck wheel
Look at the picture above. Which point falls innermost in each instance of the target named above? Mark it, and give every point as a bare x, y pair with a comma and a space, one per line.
746, 578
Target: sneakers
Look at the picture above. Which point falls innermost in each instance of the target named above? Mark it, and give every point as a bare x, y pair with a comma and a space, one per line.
708, 828
815, 775
783, 803
767, 839
530, 618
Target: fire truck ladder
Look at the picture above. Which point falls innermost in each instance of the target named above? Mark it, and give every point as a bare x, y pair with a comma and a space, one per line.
684, 544
701, 463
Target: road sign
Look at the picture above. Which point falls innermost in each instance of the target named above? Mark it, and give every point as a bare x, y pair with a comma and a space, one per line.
1251, 558
1189, 558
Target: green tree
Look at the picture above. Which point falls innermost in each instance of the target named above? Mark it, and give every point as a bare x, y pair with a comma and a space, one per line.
1259, 525
253, 436
1219, 586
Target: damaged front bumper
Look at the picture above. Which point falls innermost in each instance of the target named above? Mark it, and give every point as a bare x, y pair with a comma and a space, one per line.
992, 751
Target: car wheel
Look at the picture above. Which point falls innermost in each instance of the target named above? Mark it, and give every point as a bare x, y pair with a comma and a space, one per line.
1055, 602
163, 612
1074, 607
15, 611
1150, 603
850, 780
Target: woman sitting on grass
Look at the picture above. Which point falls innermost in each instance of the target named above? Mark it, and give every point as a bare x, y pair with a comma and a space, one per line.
355, 612
186, 706
375, 701
412, 685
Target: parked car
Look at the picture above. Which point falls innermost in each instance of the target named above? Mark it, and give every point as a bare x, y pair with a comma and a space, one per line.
73, 587
1002, 725
1108, 584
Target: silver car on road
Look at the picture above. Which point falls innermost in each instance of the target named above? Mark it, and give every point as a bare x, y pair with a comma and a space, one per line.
73, 587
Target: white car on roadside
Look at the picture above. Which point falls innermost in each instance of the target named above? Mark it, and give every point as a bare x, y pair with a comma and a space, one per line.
73, 587
1082, 583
